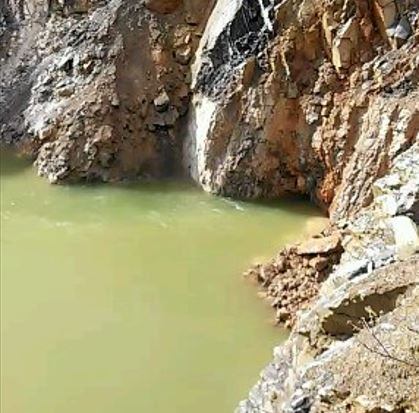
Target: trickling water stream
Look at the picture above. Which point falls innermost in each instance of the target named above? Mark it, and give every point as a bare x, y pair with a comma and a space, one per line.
129, 299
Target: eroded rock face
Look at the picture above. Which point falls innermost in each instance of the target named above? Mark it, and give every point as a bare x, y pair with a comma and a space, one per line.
110, 126
344, 354
163, 6
108, 90
363, 317
390, 347
287, 96
303, 96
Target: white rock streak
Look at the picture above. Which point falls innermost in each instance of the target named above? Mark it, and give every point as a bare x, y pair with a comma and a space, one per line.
265, 16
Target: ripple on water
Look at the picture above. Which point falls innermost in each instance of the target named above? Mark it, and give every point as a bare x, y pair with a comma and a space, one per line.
130, 298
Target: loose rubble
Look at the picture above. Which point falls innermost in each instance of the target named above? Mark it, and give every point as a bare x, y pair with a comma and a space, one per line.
359, 336
291, 280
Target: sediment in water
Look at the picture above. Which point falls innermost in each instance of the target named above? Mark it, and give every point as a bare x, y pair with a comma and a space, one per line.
253, 100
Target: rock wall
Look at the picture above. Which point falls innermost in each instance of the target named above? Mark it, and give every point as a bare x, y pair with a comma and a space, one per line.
361, 362
105, 94
354, 346
252, 98
313, 97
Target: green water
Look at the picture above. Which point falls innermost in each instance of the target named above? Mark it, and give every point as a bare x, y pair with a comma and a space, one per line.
123, 299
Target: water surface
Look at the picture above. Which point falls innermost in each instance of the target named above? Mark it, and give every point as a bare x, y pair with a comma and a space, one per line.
130, 299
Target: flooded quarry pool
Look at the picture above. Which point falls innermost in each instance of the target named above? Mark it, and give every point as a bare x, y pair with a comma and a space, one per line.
130, 298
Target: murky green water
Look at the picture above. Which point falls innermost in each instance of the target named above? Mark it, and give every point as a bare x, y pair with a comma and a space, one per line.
130, 298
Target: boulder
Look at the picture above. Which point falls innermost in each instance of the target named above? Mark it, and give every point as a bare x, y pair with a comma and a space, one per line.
322, 245
405, 235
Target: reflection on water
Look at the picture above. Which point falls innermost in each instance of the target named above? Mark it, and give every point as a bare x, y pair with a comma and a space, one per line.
120, 299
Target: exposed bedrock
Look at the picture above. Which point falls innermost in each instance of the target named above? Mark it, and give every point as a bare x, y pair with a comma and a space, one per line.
310, 97
352, 297
315, 97
105, 93
364, 356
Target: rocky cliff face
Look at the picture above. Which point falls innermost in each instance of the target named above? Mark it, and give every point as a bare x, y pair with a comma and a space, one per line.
311, 97
104, 96
287, 96
252, 99
355, 346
